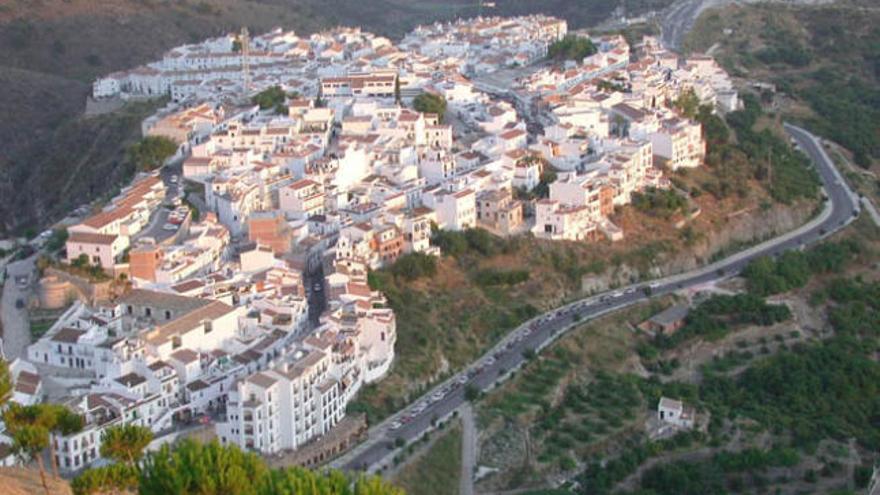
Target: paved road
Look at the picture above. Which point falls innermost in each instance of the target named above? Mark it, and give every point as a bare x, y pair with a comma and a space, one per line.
677, 20
159, 219
840, 209
16, 328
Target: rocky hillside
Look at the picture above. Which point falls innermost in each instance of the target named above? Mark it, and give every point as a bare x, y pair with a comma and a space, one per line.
50, 50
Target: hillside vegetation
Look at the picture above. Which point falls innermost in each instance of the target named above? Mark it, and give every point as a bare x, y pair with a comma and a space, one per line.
492, 285
787, 408
823, 60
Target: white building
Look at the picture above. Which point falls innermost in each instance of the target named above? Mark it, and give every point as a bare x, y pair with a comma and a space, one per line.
675, 413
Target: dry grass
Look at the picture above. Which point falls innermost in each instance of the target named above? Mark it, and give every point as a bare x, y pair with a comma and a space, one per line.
22, 481
436, 471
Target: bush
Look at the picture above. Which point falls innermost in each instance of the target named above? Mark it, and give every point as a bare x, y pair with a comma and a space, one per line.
766, 276
794, 392
151, 152
273, 97
57, 240
659, 202
794, 55
492, 277
788, 172
714, 317
430, 103
414, 265
571, 47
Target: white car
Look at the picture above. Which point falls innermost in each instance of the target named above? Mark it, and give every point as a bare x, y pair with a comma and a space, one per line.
169, 227
396, 425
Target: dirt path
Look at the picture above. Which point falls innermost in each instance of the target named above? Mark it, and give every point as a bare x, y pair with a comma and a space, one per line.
468, 450
631, 482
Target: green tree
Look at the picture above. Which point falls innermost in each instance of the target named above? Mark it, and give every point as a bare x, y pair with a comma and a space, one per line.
212, 469
151, 152
273, 97
688, 103
53, 418
57, 240
430, 103
472, 393
571, 47
106, 479
126, 443
5, 383
60, 421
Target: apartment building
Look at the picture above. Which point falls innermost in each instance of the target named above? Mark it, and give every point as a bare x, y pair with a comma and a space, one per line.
302, 199
499, 212
374, 85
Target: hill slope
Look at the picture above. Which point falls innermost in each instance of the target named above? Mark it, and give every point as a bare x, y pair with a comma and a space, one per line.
824, 61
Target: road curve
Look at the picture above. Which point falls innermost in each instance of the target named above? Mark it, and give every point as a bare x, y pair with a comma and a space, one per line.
841, 208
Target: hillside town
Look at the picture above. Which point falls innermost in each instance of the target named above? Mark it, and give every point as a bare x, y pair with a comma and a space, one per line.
241, 285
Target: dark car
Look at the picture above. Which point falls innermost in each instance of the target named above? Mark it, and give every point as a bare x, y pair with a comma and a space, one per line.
19, 304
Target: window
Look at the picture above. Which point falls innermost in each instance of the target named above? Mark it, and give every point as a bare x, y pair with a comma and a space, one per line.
148, 311
167, 314
208, 327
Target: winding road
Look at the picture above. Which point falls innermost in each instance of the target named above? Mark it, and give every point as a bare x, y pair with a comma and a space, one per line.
840, 208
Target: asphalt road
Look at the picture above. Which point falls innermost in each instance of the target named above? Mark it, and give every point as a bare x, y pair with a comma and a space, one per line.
408, 425
16, 326
678, 19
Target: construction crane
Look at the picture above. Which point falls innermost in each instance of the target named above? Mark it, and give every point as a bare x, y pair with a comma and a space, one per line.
245, 40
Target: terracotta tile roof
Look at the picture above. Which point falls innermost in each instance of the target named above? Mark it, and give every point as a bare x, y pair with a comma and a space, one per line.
88, 238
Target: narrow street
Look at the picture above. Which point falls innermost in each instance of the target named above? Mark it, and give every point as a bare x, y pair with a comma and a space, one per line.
16, 327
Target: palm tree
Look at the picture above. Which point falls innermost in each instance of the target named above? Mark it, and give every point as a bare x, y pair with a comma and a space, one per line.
5, 382
126, 443
28, 442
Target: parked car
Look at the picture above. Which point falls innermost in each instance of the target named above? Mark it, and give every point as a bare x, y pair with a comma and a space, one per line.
169, 226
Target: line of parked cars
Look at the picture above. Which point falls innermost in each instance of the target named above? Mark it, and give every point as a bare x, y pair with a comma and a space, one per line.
176, 218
